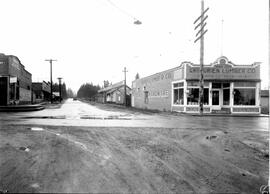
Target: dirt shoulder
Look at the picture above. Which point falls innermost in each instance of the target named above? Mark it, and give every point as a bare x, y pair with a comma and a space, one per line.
113, 107
132, 160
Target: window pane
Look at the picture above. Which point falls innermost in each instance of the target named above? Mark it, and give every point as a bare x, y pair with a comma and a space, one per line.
216, 85
181, 96
178, 96
193, 96
175, 96
193, 83
196, 83
244, 96
181, 84
226, 85
205, 96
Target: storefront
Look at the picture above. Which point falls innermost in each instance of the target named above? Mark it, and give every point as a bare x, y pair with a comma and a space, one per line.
228, 88
15, 81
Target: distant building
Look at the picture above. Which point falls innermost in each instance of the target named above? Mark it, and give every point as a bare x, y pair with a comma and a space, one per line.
15, 81
114, 93
265, 101
41, 91
228, 89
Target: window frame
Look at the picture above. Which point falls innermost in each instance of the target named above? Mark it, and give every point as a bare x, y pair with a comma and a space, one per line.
180, 85
246, 87
206, 86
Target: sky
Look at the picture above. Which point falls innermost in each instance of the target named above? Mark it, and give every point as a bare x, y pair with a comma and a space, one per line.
93, 40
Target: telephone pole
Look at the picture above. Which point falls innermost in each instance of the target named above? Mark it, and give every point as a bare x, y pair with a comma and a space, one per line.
60, 88
125, 89
200, 36
51, 60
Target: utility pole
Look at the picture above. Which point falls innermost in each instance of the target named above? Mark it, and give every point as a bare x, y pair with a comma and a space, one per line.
51, 60
125, 89
201, 33
60, 88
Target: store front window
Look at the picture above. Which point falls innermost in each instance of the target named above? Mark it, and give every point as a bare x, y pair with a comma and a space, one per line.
244, 96
244, 93
178, 93
193, 96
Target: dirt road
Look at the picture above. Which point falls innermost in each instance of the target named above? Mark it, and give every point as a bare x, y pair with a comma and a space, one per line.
131, 160
83, 148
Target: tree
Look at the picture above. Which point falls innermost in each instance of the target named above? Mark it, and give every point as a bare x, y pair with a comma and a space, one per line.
87, 90
137, 76
55, 88
106, 83
70, 93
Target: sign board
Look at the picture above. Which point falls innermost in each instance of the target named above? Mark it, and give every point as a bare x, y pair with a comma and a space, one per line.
56, 93
13, 80
224, 71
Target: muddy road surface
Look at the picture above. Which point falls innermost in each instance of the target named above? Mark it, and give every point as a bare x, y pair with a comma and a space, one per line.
177, 154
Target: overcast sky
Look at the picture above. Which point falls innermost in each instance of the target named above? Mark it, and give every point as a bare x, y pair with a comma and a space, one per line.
93, 40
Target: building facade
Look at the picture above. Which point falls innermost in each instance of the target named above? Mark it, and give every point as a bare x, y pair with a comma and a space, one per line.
114, 93
265, 101
228, 89
41, 91
15, 81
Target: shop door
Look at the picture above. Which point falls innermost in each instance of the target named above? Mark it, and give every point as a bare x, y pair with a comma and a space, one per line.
215, 98
3, 91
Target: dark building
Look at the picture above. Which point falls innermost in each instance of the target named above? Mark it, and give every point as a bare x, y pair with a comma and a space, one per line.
41, 91
15, 81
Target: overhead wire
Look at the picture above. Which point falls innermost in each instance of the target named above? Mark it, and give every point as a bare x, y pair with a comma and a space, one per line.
125, 12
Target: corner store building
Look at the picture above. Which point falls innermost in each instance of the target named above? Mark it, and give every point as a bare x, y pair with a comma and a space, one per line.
228, 89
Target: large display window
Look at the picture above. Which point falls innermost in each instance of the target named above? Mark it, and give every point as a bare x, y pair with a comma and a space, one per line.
193, 93
244, 94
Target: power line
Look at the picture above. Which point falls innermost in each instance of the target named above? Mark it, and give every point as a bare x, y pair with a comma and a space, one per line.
138, 22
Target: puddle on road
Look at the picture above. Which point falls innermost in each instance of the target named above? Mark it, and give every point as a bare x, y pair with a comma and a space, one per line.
35, 185
26, 149
44, 117
105, 118
211, 137
36, 129
80, 117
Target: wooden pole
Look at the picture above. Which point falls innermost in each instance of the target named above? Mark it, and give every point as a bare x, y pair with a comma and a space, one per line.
201, 61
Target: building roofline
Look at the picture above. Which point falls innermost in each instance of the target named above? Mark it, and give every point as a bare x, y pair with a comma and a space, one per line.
205, 65
157, 73
19, 62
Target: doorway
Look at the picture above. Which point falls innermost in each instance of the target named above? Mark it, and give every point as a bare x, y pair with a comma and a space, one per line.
215, 98
3, 91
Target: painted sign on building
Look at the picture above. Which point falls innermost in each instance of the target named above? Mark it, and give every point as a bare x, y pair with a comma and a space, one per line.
224, 71
159, 94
